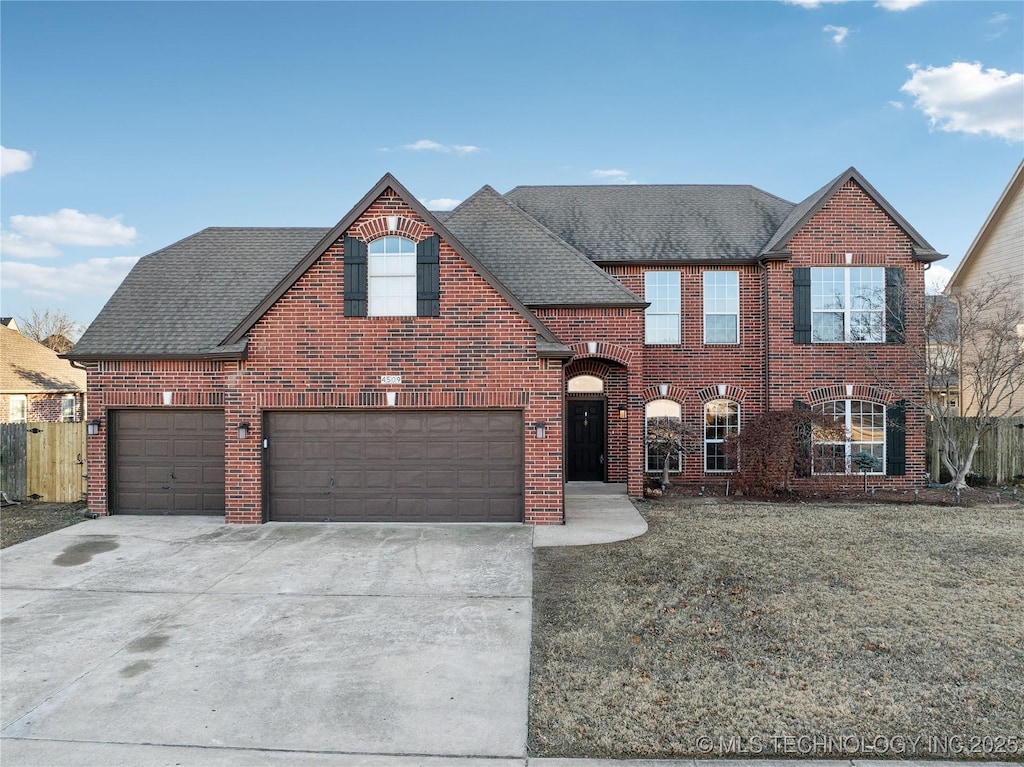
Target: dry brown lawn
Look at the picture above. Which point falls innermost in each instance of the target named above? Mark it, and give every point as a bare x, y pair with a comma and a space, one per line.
27, 521
785, 630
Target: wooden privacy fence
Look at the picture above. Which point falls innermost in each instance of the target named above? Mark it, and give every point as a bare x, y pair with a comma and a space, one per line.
1000, 456
43, 461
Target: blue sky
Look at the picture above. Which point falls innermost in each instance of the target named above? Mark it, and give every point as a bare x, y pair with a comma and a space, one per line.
127, 126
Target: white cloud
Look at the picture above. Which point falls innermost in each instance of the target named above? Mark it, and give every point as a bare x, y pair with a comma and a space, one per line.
69, 227
14, 160
889, 5
838, 33
441, 203
610, 173
426, 145
967, 99
97, 276
896, 104
935, 279
999, 18
898, 5
13, 245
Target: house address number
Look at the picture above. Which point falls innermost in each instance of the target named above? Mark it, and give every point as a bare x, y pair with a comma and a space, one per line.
390, 379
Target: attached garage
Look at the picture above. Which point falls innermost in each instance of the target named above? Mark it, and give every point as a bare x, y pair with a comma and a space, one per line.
395, 466
167, 461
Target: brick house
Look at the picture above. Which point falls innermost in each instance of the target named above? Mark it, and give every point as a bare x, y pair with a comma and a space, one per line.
408, 365
35, 384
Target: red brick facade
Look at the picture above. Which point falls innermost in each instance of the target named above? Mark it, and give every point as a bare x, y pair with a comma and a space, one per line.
481, 352
43, 407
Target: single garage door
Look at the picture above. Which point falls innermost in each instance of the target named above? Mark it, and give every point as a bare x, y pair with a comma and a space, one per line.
395, 466
168, 461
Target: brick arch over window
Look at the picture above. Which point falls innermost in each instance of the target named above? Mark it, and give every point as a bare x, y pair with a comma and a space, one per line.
607, 351
589, 367
862, 392
379, 227
735, 393
674, 393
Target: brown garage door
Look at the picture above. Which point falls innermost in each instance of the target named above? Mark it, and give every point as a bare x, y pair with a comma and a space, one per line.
395, 466
168, 461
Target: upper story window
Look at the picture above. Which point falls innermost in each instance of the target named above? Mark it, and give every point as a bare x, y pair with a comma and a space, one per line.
391, 273
721, 307
392, 277
721, 420
860, 444
848, 304
854, 304
18, 408
662, 319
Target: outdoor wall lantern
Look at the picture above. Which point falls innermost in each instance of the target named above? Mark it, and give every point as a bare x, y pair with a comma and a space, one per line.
622, 414
243, 430
542, 429
93, 427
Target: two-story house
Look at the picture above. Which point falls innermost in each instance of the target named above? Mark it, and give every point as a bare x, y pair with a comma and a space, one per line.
414, 366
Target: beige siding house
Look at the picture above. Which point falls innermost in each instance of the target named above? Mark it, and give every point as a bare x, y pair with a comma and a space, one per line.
997, 253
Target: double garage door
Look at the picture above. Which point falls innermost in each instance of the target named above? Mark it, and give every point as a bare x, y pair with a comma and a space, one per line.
379, 466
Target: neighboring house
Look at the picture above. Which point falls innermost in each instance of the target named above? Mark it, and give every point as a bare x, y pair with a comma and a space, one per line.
36, 384
996, 254
942, 381
409, 365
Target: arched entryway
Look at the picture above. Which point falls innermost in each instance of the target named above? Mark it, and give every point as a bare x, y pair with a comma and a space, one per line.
595, 421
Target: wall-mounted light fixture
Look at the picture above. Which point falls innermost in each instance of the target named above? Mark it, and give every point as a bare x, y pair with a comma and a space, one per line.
93, 427
243, 430
542, 429
622, 414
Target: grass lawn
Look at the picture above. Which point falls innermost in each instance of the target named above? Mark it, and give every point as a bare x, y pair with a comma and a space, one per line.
785, 630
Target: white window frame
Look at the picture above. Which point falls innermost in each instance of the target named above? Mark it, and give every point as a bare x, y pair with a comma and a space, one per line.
854, 435
843, 301
17, 410
677, 413
67, 402
391, 277
721, 299
663, 318
717, 434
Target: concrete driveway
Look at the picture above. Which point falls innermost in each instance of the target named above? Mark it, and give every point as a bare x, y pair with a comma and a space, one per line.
186, 641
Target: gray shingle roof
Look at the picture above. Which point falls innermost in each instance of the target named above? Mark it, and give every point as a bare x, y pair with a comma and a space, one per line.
537, 266
185, 298
700, 222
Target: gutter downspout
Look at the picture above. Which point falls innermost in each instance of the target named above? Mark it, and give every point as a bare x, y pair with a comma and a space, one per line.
765, 314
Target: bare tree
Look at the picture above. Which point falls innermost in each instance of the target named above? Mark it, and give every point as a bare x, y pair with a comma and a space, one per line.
52, 328
987, 352
668, 439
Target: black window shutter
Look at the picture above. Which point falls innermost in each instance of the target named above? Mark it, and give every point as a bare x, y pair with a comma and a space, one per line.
428, 277
801, 305
895, 306
896, 439
802, 462
355, 277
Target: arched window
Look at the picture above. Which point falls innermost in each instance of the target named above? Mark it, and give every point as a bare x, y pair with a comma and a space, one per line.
858, 445
721, 420
584, 384
391, 273
663, 417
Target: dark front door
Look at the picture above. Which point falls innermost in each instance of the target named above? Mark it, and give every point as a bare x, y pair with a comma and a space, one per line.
585, 441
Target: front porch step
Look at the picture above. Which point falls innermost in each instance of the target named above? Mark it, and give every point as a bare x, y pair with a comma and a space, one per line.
595, 488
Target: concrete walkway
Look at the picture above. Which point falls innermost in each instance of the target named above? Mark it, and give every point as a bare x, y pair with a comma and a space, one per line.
595, 512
